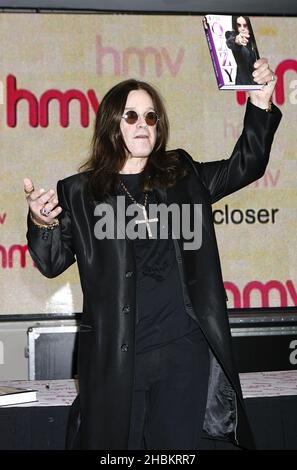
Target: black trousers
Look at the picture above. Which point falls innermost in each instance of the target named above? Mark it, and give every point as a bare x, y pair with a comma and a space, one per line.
170, 395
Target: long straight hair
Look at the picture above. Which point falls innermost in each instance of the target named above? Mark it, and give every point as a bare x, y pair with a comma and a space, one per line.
251, 32
109, 152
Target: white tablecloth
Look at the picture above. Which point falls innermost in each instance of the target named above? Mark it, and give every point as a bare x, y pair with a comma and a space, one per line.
254, 385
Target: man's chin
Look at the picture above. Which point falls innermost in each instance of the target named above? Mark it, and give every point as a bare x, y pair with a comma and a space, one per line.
140, 155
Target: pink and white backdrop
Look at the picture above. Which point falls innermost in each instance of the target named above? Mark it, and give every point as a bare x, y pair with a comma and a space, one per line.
54, 70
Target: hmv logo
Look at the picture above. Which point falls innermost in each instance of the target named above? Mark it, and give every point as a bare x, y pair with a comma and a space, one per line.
120, 62
137, 60
129, 61
38, 109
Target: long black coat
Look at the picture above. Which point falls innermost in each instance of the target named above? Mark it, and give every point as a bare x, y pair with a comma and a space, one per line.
107, 274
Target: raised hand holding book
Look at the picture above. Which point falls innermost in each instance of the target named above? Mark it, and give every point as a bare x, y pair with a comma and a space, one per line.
233, 50
15, 395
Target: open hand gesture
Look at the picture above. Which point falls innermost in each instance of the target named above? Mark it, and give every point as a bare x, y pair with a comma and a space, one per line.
43, 204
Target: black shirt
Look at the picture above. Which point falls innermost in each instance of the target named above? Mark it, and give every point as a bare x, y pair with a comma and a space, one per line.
161, 315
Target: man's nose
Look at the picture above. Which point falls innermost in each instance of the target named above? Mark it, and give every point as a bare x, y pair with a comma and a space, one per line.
141, 121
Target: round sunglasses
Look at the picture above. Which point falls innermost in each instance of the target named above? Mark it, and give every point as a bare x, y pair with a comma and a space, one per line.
131, 117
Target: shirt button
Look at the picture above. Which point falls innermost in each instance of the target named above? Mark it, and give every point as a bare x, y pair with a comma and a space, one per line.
124, 347
129, 274
126, 309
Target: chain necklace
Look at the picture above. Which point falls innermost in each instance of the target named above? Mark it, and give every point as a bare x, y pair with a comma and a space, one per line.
145, 220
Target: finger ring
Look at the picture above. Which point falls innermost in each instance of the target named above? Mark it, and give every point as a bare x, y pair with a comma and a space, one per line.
44, 211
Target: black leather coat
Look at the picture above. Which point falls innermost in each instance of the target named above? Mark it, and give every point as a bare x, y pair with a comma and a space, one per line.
107, 274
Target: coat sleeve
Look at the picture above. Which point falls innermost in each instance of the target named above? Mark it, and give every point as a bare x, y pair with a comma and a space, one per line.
53, 250
249, 158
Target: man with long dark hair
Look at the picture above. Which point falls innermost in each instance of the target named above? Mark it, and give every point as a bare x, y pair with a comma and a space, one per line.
155, 363
242, 42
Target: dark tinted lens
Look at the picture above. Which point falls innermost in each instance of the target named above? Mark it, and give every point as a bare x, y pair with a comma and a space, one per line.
131, 117
151, 118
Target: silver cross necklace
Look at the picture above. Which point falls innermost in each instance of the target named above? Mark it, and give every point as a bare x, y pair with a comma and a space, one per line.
145, 220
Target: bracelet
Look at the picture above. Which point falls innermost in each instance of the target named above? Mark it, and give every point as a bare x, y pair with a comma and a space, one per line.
46, 226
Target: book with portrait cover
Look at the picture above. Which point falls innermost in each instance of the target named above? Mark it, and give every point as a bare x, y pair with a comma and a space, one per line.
233, 50
15, 395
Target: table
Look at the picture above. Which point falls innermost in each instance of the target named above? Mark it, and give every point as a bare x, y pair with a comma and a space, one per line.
271, 400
